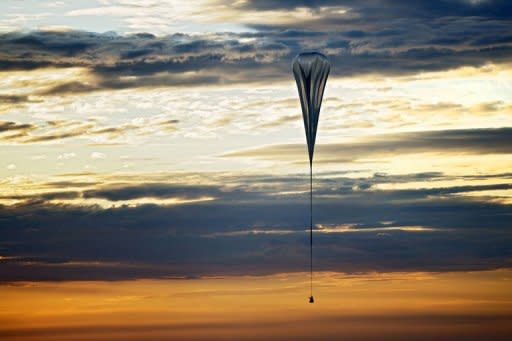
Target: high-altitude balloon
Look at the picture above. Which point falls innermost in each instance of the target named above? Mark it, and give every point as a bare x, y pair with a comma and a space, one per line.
311, 70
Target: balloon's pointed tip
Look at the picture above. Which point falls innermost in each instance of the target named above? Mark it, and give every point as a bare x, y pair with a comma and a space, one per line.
311, 299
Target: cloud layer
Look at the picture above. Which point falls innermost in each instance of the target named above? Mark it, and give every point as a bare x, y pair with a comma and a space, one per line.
358, 37
256, 225
164, 154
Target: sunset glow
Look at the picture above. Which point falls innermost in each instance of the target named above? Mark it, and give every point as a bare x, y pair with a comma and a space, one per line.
155, 179
398, 305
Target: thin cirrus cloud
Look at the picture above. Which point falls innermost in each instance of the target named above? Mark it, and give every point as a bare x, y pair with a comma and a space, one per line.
26, 133
468, 141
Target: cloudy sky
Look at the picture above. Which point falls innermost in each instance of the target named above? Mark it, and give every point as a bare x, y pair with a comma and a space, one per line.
149, 139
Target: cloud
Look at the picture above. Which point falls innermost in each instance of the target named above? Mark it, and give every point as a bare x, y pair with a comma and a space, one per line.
13, 99
376, 38
154, 190
11, 131
66, 156
382, 9
26, 132
98, 155
59, 134
13, 126
261, 189
41, 198
463, 141
143, 240
256, 225
280, 121
55, 130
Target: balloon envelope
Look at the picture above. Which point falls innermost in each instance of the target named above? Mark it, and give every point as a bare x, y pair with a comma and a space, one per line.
311, 70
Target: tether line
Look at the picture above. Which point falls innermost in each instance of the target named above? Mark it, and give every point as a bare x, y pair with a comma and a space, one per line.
311, 227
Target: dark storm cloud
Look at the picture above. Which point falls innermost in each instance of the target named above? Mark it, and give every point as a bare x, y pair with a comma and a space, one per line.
252, 228
463, 141
380, 37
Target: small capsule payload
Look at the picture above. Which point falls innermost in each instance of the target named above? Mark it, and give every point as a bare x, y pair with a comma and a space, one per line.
311, 70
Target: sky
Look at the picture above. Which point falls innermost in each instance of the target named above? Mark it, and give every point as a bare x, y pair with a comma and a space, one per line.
391, 306
162, 140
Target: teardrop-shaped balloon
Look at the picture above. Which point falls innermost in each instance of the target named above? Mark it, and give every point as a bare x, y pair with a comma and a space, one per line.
311, 70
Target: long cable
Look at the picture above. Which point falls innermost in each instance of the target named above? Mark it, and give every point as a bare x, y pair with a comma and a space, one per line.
311, 227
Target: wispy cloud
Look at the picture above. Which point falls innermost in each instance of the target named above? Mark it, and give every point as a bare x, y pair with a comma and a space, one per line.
56, 130
475, 141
